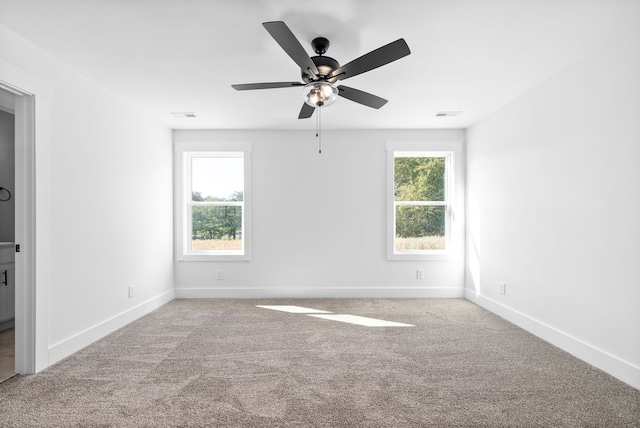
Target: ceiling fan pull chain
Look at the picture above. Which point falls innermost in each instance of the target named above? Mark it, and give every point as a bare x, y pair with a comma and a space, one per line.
319, 129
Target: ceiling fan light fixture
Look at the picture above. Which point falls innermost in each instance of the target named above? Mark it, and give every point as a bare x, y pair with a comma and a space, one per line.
319, 94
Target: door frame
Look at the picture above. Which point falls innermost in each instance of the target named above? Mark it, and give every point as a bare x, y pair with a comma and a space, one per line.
32, 129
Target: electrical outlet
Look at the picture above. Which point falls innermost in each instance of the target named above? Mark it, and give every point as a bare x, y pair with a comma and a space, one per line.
503, 288
132, 291
420, 274
219, 274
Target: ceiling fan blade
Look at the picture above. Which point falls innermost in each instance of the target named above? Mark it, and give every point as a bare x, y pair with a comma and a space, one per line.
374, 59
361, 97
306, 111
287, 41
272, 85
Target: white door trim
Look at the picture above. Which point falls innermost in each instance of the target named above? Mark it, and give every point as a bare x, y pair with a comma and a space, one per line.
25, 234
32, 110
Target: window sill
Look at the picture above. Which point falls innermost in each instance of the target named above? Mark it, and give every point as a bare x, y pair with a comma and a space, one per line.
446, 256
214, 258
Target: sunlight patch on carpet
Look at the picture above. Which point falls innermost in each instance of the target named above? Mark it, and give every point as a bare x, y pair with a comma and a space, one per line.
293, 309
368, 322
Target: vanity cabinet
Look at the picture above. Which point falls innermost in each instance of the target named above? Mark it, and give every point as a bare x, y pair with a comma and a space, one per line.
7, 282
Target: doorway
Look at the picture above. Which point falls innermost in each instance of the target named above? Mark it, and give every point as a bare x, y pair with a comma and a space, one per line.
21, 244
7, 236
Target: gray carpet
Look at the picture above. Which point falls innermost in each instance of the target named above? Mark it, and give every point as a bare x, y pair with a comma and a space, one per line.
227, 363
7, 354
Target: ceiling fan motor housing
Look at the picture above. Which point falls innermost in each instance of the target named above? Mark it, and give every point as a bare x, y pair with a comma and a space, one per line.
325, 66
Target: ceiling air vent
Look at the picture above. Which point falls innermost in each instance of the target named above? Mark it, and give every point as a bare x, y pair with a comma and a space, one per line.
183, 114
447, 113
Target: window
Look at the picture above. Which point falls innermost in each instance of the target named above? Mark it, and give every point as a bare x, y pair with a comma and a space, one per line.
421, 211
214, 210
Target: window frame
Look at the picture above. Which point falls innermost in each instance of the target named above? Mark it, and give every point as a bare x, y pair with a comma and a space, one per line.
451, 167
184, 153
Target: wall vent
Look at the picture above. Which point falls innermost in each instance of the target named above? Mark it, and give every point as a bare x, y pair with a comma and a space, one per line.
447, 113
182, 114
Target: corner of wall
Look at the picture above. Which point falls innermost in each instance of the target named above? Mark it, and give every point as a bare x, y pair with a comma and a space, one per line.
618, 368
73, 344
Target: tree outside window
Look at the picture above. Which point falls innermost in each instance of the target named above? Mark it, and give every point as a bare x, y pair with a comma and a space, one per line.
421, 202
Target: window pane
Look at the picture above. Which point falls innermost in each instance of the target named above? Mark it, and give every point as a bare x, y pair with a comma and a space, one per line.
216, 228
420, 227
419, 178
217, 178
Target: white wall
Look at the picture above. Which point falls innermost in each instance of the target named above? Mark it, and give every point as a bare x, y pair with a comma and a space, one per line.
107, 215
553, 205
319, 221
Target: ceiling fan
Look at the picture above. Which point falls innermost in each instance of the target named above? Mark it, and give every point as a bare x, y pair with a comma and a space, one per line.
320, 73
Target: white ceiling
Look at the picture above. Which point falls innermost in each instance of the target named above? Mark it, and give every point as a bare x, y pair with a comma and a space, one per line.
182, 55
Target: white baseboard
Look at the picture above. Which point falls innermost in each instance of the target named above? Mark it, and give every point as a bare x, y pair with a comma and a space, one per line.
75, 343
603, 360
311, 293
